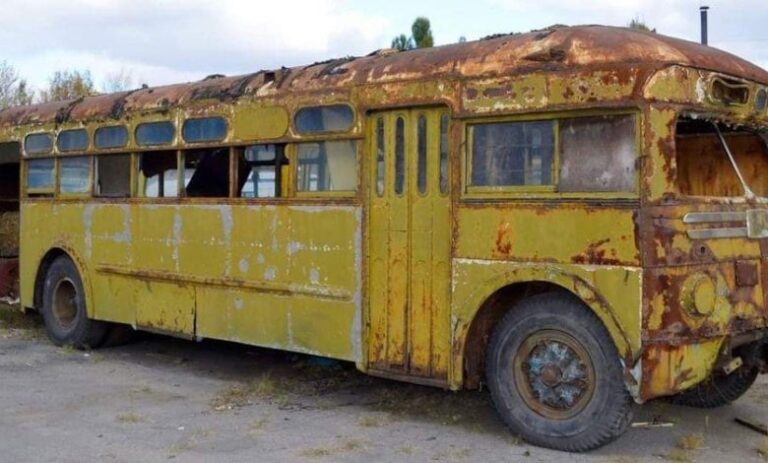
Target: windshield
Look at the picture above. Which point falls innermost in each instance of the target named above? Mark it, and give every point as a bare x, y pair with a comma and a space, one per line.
718, 160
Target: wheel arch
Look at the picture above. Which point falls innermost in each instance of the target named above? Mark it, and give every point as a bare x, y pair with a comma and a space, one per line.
45, 263
472, 333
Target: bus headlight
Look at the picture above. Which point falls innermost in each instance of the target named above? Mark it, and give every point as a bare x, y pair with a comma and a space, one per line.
699, 295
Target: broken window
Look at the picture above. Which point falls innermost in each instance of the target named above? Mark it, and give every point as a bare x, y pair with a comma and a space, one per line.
704, 167
75, 175
260, 168
206, 173
327, 166
316, 119
111, 137
159, 175
598, 154
113, 175
512, 153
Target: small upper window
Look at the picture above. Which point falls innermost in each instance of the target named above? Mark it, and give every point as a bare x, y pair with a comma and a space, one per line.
38, 143
155, 133
315, 119
512, 153
111, 137
72, 140
206, 129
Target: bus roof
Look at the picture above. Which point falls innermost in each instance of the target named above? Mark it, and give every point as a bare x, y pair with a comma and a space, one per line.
549, 50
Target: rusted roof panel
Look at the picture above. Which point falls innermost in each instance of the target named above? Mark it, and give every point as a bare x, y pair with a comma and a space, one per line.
548, 50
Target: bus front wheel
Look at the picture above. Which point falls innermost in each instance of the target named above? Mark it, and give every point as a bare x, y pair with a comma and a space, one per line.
555, 377
64, 311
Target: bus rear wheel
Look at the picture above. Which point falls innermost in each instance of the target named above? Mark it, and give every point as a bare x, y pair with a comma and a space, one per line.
718, 390
555, 375
64, 311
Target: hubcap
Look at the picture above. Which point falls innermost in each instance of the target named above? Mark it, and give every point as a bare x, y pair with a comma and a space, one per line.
65, 303
554, 374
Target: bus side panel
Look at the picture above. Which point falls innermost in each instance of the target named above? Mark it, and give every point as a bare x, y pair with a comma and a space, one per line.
293, 276
589, 251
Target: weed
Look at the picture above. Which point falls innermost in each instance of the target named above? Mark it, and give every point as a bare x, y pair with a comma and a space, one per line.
763, 449
691, 442
129, 418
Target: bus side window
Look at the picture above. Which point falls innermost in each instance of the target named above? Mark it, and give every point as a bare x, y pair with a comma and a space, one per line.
259, 171
159, 174
206, 173
113, 175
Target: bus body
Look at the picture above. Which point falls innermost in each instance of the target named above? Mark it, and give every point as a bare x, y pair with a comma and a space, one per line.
392, 210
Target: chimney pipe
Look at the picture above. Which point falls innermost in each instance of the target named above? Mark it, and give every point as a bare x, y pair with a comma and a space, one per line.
704, 32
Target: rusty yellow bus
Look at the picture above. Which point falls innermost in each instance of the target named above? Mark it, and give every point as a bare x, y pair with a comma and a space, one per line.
575, 218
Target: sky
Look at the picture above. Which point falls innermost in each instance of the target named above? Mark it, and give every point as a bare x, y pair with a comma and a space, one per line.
159, 42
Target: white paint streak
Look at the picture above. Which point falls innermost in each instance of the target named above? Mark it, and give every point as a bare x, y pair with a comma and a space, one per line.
270, 274
314, 276
243, 265
176, 240
88, 225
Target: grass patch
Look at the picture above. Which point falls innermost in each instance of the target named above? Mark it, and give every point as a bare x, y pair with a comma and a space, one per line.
129, 418
372, 421
17, 324
344, 446
762, 450
691, 442
679, 456
240, 395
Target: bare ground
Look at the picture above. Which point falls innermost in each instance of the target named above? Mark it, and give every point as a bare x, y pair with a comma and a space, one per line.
161, 399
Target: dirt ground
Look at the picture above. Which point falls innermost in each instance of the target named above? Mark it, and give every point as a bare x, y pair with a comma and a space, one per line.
160, 399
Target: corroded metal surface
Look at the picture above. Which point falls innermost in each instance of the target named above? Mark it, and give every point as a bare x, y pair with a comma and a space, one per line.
559, 49
410, 285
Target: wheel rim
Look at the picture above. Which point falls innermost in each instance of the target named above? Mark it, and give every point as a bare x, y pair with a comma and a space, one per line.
554, 374
65, 303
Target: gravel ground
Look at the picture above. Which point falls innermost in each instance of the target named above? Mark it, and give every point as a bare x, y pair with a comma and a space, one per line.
160, 399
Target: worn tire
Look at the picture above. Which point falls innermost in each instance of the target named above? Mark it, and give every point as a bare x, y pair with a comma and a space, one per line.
64, 310
718, 390
537, 325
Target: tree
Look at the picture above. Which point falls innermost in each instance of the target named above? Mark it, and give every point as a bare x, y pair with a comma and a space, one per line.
13, 90
462, 39
119, 81
421, 36
402, 43
640, 25
67, 85
421, 32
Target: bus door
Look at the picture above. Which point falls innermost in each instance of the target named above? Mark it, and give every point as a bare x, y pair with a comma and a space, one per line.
409, 243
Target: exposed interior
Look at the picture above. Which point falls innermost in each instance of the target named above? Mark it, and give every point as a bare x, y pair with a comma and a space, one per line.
703, 165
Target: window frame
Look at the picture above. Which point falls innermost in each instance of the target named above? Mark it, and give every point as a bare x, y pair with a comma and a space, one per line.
88, 192
88, 143
468, 191
48, 191
111, 149
41, 154
292, 152
224, 137
321, 134
168, 146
